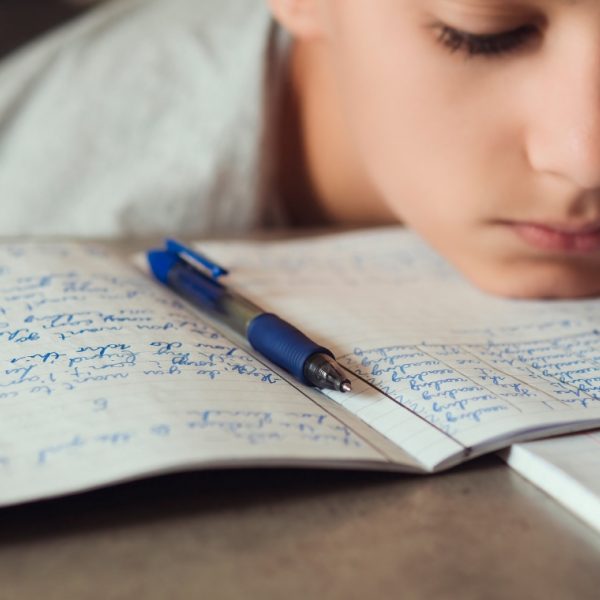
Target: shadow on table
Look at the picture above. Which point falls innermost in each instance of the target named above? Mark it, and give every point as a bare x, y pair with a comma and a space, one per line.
205, 492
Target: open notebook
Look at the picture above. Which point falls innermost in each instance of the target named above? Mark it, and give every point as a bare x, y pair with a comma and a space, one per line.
106, 376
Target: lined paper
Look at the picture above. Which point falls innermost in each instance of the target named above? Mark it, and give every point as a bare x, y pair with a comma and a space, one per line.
481, 370
104, 376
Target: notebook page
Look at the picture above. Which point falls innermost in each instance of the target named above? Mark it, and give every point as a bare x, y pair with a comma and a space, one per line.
566, 468
482, 370
105, 376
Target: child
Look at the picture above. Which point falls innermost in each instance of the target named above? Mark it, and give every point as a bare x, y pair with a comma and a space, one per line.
475, 122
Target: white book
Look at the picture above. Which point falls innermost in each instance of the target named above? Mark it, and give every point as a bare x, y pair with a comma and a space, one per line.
566, 468
107, 376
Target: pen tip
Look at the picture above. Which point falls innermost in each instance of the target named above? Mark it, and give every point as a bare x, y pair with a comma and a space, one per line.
346, 386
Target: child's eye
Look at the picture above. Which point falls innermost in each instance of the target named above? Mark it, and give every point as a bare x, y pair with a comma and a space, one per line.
493, 44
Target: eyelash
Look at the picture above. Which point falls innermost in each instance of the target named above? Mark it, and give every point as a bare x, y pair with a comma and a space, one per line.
489, 45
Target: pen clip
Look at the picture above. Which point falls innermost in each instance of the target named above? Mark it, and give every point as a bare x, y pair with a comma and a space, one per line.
196, 259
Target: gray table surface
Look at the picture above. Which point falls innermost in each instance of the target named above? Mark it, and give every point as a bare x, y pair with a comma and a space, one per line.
478, 531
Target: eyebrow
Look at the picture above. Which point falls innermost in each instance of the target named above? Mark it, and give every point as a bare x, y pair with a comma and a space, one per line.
509, 4
515, 2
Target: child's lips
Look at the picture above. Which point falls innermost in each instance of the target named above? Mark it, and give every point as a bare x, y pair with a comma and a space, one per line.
582, 239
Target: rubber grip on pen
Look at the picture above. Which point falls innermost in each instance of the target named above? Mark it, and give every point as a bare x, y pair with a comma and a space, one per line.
283, 344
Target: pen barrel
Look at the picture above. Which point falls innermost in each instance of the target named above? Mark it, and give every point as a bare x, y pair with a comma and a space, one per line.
209, 295
283, 344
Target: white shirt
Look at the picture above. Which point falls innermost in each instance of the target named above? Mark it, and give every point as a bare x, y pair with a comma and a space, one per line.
142, 117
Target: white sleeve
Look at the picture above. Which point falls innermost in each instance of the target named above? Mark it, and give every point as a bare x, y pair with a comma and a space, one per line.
141, 117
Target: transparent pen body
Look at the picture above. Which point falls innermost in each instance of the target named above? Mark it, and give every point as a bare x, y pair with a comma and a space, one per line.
208, 294
274, 338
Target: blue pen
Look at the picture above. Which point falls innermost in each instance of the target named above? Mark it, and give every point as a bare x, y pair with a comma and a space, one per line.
196, 278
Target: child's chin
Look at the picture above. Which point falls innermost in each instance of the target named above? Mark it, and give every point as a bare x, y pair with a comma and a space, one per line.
559, 284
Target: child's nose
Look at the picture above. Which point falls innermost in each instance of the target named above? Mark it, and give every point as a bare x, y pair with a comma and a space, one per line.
564, 131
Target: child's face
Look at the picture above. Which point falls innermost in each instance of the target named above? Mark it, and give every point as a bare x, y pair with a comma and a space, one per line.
490, 149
